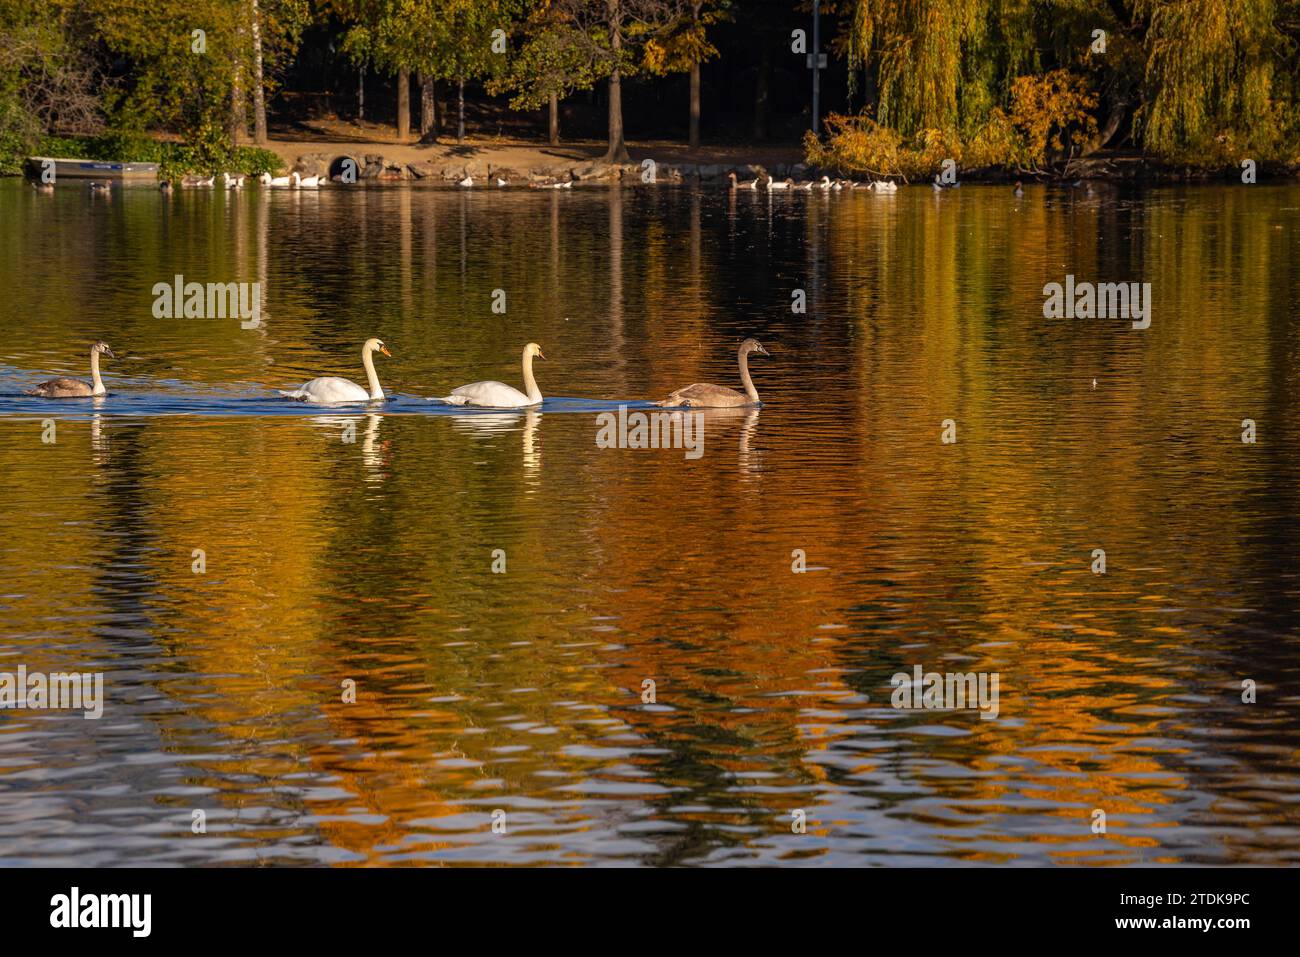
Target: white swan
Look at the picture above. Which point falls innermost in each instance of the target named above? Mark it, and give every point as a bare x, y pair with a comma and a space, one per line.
276, 182
62, 388
306, 182
467, 182
334, 389
779, 184
885, 186
232, 182
498, 395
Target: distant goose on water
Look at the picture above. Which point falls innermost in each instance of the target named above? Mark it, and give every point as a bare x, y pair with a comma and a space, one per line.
63, 388
747, 184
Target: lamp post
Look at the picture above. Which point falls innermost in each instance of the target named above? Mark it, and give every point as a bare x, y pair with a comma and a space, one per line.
817, 63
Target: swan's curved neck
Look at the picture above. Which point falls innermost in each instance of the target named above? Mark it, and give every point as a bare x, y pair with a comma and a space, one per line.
372, 377
744, 377
96, 383
530, 384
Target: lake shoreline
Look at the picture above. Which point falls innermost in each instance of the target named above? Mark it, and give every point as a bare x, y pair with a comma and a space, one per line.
369, 159
520, 163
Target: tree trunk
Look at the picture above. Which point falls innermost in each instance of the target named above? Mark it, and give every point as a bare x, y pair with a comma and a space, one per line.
554, 121
617, 152
361, 94
403, 104
428, 128
695, 105
236, 126
460, 110
259, 89
760, 97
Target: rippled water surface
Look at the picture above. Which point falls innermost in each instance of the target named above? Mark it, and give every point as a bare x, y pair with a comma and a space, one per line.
358, 544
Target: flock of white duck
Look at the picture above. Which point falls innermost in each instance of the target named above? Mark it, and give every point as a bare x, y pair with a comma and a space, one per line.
772, 184
333, 390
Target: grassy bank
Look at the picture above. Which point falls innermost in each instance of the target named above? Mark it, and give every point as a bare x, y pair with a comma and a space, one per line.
173, 158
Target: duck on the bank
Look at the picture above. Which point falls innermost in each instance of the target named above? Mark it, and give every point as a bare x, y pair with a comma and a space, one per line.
707, 396
747, 184
467, 182
331, 388
501, 182
1019, 190
553, 183
63, 388
498, 395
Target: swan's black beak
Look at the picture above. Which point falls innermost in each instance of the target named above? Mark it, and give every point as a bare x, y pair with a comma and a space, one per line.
384, 350
763, 351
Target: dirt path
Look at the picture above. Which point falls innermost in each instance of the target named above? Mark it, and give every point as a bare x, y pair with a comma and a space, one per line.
348, 139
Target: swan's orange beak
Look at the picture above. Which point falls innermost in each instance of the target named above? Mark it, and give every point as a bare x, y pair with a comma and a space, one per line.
539, 354
384, 350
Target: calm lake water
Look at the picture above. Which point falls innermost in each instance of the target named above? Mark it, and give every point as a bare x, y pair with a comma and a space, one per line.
371, 561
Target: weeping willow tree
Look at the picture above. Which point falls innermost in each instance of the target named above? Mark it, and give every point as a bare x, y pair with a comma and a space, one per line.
1186, 79
913, 51
1221, 77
